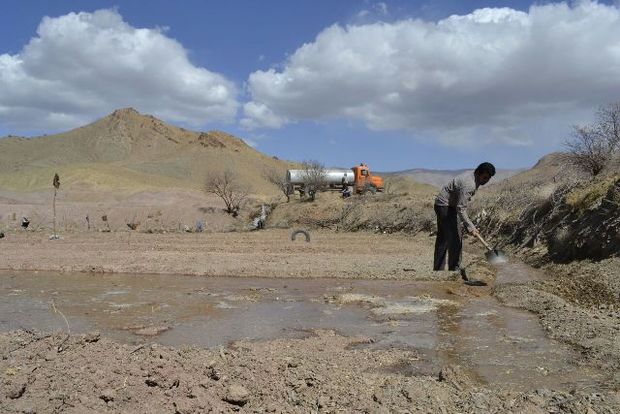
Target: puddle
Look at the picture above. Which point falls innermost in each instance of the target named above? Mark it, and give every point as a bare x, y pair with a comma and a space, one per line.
497, 345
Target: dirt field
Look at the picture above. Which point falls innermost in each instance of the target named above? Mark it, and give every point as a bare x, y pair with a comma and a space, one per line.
269, 253
324, 372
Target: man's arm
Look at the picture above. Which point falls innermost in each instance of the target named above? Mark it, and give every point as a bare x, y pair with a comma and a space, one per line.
461, 207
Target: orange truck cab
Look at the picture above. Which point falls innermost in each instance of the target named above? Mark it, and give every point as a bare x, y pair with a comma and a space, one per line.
365, 181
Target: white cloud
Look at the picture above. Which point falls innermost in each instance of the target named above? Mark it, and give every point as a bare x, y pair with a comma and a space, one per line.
495, 75
259, 115
363, 14
381, 8
377, 10
83, 65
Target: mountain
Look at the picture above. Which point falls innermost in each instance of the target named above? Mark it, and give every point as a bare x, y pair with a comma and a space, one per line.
130, 151
438, 178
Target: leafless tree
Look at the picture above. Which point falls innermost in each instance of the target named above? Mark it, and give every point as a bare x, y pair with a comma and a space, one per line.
608, 124
226, 185
587, 151
591, 147
314, 177
277, 177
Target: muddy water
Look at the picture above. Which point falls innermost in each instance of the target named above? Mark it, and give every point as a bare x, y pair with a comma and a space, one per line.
497, 345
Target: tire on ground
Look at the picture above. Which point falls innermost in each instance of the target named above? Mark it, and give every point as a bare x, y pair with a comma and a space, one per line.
304, 232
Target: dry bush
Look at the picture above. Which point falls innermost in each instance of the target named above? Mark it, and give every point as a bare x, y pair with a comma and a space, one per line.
592, 147
370, 214
277, 177
333, 217
409, 219
227, 186
314, 178
520, 215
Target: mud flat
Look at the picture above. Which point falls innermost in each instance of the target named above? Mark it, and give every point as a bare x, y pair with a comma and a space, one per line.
376, 338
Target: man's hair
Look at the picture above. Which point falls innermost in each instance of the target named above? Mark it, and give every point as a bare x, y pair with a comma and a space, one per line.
486, 167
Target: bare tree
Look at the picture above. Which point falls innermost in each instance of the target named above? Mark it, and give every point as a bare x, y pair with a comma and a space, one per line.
591, 147
314, 177
277, 177
587, 151
608, 124
225, 184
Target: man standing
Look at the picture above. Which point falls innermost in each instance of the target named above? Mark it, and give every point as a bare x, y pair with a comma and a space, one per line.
451, 209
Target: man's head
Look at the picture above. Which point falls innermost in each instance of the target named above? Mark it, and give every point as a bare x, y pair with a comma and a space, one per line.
484, 172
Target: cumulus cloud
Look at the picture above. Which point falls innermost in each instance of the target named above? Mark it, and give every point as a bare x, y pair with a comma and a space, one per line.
493, 75
82, 65
259, 115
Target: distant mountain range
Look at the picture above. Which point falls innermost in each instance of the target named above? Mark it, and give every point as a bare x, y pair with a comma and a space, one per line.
438, 178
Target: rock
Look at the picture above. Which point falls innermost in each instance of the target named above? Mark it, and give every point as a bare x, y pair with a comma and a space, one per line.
16, 390
51, 356
291, 362
322, 401
107, 395
237, 395
272, 408
92, 337
150, 382
455, 376
152, 330
213, 374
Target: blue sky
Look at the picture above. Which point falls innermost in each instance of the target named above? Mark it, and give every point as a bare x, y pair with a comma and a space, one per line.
396, 84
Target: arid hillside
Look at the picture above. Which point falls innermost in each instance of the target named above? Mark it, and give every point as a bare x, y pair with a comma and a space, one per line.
130, 151
555, 212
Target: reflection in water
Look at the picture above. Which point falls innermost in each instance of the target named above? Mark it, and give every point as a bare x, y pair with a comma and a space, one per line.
493, 343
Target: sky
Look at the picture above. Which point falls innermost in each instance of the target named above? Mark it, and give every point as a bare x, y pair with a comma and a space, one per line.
399, 84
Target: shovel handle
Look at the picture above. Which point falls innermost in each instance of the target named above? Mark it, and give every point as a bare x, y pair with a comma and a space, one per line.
483, 242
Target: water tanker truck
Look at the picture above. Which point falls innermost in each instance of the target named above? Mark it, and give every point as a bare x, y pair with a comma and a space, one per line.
358, 178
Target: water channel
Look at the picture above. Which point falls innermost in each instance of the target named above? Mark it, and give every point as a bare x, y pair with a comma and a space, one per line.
498, 345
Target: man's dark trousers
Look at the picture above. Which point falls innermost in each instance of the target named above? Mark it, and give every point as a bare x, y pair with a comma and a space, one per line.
449, 239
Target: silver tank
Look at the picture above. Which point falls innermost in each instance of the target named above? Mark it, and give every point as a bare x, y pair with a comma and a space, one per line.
332, 176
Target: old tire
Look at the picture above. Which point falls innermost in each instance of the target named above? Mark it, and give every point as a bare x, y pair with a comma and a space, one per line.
305, 233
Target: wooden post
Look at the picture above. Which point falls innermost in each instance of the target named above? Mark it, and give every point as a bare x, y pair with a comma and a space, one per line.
56, 184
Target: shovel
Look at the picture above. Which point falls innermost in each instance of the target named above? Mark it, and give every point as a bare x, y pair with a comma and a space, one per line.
494, 256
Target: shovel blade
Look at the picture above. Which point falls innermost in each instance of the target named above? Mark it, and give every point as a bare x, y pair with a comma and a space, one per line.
496, 256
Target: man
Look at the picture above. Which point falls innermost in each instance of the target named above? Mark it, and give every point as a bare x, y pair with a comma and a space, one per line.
451, 209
